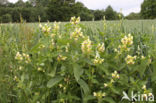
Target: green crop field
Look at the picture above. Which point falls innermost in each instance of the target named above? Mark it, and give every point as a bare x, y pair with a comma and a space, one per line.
142, 26
72, 62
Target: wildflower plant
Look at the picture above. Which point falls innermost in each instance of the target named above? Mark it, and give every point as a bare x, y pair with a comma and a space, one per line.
77, 66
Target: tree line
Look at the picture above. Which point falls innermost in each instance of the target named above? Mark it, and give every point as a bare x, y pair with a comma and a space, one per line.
62, 10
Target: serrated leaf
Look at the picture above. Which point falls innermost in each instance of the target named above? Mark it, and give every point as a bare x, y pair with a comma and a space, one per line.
54, 81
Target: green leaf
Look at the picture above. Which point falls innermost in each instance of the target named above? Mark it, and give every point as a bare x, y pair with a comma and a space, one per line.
35, 49
84, 86
114, 90
109, 100
87, 98
122, 66
77, 71
154, 72
54, 81
142, 68
53, 72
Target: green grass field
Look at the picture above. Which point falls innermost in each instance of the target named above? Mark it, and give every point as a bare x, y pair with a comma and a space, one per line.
135, 26
66, 64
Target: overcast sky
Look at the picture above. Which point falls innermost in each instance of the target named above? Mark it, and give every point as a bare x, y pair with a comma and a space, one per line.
127, 6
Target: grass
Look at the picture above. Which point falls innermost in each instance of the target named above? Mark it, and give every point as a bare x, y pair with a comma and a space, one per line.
141, 26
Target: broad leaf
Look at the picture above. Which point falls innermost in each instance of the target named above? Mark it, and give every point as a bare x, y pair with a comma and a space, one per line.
84, 86
77, 72
109, 100
54, 81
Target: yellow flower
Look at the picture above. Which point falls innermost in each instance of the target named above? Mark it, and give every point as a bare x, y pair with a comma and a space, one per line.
124, 48
144, 87
20, 68
52, 44
64, 88
97, 59
42, 46
127, 40
39, 69
124, 40
142, 57
37, 93
61, 58
115, 75
46, 28
75, 20
22, 57
116, 50
145, 96
99, 94
130, 60
86, 46
62, 101
18, 56
105, 85
138, 51
60, 85
60, 36
53, 35
95, 94
26, 57
149, 60
150, 94
77, 34
15, 78
67, 47
56, 26
103, 94
139, 48
101, 47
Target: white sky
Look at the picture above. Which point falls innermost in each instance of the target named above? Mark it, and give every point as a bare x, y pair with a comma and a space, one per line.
15, 0
127, 6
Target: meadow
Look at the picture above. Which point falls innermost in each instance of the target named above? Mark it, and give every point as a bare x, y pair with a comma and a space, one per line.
77, 62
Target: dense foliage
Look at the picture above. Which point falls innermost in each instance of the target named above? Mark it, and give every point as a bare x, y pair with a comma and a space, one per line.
51, 10
62, 10
148, 9
133, 16
70, 63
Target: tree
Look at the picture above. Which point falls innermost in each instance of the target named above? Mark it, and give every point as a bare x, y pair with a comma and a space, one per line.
55, 10
99, 14
63, 10
133, 16
6, 18
110, 14
60, 10
78, 9
148, 9
52, 10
